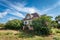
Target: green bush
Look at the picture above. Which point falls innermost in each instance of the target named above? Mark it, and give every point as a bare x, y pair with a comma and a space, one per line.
2, 25
58, 25
13, 24
57, 18
56, 38
57, 31
45, 31
42, 25
54, 24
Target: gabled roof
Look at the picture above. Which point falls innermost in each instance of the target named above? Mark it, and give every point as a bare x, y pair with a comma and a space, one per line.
33, 15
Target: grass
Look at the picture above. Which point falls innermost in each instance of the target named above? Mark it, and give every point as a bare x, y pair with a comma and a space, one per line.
18, 35
56, 38
23, 34
14, 35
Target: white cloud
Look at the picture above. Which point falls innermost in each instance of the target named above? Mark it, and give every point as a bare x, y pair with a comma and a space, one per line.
11, 11
16, 8
11, 18
30, 10
17, 14
2, 14
21, 7
52, 7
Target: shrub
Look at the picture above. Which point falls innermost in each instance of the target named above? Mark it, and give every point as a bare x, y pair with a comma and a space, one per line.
54, 24
56, 38
58, 25
58, 31
42, 25
13, 24
2, 25
45, 31
57, 18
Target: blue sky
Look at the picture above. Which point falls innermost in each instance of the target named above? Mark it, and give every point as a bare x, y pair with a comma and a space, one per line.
17, 9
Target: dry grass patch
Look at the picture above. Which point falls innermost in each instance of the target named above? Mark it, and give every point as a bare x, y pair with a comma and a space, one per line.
18, 35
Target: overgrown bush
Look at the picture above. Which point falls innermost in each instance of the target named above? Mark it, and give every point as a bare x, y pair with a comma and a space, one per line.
56, 38
13, 24
2, 25
54, 24
45, 30
57, 18
58, 26
42, 25
57, 31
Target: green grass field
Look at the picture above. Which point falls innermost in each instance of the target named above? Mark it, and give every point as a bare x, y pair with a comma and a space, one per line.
17, 35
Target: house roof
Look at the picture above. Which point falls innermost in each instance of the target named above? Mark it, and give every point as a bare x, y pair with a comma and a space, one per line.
33, 15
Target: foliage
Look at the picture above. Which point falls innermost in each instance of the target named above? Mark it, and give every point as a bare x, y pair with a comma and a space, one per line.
57, 18
54, 24
58, 25
42, 25
56, 38
1, 25
58, 31
13, 24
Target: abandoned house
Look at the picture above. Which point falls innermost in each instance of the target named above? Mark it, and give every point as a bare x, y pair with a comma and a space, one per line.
28, 20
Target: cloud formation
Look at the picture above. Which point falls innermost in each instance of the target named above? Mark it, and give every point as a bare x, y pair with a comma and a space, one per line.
2, 14
52, 7
11, 18
17, 8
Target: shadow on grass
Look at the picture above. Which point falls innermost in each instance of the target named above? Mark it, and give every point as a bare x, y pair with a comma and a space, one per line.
29, 34
24, 34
